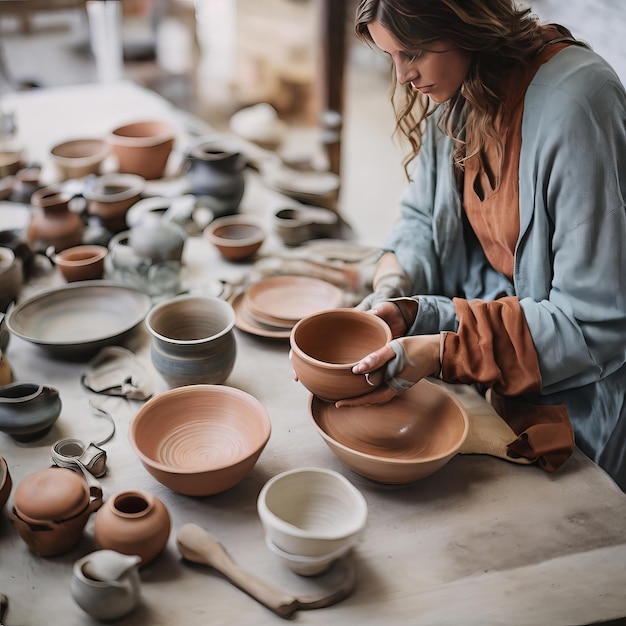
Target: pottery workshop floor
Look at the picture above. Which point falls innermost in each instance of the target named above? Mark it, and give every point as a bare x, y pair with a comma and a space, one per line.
372, 176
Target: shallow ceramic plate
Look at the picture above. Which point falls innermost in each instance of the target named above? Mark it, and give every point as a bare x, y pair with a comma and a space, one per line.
290, 298
242, 322
78, 319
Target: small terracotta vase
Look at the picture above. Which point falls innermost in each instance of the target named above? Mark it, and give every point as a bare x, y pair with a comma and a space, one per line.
54, 224
217, 174
133, 522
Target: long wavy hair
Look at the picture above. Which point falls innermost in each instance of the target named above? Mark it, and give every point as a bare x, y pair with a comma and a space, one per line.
496, 34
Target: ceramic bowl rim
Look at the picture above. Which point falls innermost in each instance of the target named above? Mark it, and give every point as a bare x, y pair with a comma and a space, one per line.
394, 461
358, 519
134, 184
227, 308
167, 133
218, 240
99, 154
325, 364
260, 411
98, 253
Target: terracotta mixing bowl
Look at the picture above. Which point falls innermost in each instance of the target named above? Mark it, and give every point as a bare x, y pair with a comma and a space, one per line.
237, 238
406, 439
326, 345
79, 157
200, 440
143, 147
81, 262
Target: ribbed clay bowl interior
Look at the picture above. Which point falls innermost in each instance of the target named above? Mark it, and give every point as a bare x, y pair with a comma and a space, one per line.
326, 345
200, 439
406, 439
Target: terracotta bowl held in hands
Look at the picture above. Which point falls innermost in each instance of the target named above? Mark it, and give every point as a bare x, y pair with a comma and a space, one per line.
312, 512
200, 440
143, 147
83, 262
408, 438
237, 238
326, 345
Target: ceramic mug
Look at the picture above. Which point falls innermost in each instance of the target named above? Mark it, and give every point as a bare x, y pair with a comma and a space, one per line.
193, 340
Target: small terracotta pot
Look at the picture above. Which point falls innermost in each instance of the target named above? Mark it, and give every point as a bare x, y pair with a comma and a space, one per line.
237, 238
326, 345
51, 509
143, 148
79, 157
133, 522
81, 262
110, 197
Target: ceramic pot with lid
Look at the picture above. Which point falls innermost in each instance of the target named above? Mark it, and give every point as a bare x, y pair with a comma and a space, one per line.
133, 522
51, 508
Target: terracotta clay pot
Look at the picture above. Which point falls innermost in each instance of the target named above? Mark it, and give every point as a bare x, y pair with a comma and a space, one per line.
133, 522
237, 238
81, 262
51, 509
54, 224
142, 148
79, 157
110, 196
326, 345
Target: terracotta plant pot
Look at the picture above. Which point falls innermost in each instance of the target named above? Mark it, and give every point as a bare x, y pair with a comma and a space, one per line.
143, 147
81, 262
133, 522
200, 440
326, 345
79, 157
408, 438
237, 238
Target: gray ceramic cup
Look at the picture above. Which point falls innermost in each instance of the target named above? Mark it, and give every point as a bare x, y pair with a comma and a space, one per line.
192, 340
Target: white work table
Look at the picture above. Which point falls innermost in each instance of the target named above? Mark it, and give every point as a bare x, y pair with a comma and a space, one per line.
482, 541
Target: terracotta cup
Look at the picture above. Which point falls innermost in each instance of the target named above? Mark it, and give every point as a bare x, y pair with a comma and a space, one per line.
81, 262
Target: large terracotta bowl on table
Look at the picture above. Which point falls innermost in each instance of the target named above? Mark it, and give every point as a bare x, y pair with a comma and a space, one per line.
406, 439
326, 345
200, 440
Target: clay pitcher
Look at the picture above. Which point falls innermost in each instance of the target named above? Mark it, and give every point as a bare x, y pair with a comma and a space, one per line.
53, 222
106, 584
218, 175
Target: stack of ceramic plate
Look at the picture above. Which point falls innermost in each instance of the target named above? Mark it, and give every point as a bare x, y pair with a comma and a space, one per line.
272, 306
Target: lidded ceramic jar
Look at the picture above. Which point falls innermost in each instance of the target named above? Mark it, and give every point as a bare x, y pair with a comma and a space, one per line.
51, 508
133, 522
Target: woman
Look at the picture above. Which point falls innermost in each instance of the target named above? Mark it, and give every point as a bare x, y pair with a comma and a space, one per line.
512, 231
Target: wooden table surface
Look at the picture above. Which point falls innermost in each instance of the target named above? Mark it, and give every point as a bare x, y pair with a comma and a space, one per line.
482, 541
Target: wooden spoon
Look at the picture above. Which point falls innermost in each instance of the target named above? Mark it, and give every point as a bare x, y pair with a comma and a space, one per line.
197, 545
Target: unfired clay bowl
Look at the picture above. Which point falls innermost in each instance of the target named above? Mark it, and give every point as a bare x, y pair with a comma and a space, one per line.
143, 147
83, 262
408, 438
312, 512
79, 157
200, 440
237, 238
326, 345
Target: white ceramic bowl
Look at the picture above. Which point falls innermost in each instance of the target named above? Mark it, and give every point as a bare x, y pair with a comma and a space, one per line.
311, 511
307, 565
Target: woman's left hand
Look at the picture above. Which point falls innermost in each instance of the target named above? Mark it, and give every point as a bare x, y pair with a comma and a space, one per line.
405, 361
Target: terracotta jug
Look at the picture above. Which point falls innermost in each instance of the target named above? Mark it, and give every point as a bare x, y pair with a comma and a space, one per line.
133, 522
218, 175
53, 222
106, 584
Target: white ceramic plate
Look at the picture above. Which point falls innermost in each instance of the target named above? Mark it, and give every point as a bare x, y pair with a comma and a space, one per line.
78, 319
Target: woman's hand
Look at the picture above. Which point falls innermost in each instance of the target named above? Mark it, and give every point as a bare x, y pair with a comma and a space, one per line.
405, 361
398, 314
